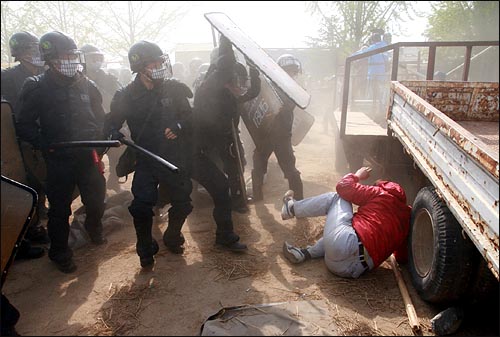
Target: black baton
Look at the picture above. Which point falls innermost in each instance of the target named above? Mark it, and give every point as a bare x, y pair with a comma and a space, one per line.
162, 161
86, 143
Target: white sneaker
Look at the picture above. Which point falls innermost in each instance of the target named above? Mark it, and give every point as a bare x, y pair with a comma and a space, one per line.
293, 254
286, 210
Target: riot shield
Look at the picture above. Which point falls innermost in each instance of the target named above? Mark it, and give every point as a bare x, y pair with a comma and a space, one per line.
258, 113
259, 57
302, 123
12, 165
19, 161
18, 208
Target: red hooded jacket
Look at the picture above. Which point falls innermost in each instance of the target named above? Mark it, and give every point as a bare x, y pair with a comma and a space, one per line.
382, 221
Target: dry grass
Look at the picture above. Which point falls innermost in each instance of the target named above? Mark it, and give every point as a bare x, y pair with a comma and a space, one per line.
308, 231
231, 267
121, 312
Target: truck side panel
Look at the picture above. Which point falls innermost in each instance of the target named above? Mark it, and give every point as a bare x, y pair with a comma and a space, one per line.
461, 167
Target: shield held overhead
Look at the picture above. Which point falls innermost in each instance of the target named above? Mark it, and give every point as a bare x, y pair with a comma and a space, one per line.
259, 57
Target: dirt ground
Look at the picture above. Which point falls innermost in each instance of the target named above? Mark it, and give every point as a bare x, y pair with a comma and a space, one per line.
109, 294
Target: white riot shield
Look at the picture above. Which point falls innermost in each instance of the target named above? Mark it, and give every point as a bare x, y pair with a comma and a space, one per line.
225, 26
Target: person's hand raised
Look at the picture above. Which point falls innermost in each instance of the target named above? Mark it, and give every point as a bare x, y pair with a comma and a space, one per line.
363, 173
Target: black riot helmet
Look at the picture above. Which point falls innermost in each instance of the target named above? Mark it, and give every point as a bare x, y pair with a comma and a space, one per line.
94, 57
21, 42
142, 53
90, 49
290, 64
55, 44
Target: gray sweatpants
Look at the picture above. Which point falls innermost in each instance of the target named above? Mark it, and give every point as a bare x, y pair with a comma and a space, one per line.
339, 244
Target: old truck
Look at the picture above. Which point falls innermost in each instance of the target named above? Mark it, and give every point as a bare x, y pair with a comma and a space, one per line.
440, 141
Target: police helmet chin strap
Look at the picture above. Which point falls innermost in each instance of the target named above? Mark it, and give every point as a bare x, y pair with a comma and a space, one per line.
146, 79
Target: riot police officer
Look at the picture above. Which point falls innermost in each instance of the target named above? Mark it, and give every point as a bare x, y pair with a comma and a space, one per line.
280, 140
107, 85
62, 105
24, 48
157, 112
216, 114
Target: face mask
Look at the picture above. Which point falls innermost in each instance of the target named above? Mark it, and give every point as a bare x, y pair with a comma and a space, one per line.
94, 66
159, 73
68, 68
32, 56
36, 61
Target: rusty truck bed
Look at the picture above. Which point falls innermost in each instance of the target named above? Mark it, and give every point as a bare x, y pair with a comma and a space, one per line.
451, 131
466, 111
487, 132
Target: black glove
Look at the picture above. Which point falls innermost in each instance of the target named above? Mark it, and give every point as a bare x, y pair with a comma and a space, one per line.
254, 72
116, 135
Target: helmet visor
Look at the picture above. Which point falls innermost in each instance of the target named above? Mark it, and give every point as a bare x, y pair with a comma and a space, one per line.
70, 63
160, 68
32, 55
94, 61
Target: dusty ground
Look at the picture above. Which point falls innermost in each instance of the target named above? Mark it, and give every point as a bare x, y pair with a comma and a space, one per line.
110, 294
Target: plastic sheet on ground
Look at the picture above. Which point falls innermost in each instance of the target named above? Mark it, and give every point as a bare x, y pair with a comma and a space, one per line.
115, 216
298, 318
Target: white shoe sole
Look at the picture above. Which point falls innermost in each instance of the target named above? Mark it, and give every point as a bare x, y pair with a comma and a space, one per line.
289, 256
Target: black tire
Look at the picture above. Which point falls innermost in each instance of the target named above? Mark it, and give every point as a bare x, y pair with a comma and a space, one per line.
442, 259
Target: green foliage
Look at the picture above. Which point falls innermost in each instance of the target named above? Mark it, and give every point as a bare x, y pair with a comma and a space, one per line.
463, 20
346, 25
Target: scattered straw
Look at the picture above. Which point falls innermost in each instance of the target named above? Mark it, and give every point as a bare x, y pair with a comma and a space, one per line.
232, 267
121, 313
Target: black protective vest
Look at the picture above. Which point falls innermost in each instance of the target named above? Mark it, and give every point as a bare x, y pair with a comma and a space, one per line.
66, 112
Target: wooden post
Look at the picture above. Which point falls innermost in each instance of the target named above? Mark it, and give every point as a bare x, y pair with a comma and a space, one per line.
410, 309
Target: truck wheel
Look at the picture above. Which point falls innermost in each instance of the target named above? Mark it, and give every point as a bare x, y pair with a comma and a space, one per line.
441, 256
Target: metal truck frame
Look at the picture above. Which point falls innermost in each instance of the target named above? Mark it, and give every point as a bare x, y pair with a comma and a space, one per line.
440, 140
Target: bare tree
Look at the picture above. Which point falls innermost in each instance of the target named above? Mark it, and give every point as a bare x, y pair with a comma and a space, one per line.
127, 22
111, 25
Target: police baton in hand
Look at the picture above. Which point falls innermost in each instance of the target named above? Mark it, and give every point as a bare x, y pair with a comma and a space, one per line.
159, 159
85, 143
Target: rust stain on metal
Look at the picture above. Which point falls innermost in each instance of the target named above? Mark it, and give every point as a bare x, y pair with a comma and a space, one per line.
482, 104
488, 110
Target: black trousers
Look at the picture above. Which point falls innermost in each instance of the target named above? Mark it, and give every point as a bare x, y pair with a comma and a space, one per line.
64, 173
147, 177
281, 145
208, 175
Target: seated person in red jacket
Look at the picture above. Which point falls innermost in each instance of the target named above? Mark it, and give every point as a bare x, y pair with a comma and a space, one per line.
353, 243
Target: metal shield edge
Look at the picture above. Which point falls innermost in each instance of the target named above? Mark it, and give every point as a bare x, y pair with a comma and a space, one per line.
225, 26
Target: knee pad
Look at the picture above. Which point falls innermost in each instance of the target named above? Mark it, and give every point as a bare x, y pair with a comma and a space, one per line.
140, 211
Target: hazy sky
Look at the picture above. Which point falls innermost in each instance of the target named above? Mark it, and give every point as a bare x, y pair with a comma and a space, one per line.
268, 23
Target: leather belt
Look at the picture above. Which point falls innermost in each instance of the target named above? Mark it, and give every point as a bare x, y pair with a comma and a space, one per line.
362, 256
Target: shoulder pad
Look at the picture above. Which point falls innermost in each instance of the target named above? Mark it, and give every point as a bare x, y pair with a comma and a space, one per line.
31, 83
91, 82
178, 88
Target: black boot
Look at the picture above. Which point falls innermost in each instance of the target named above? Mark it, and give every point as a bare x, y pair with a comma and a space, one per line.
36, 233
146, 246
173, 238
147, 261
28, 252
230, 241
257, 182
